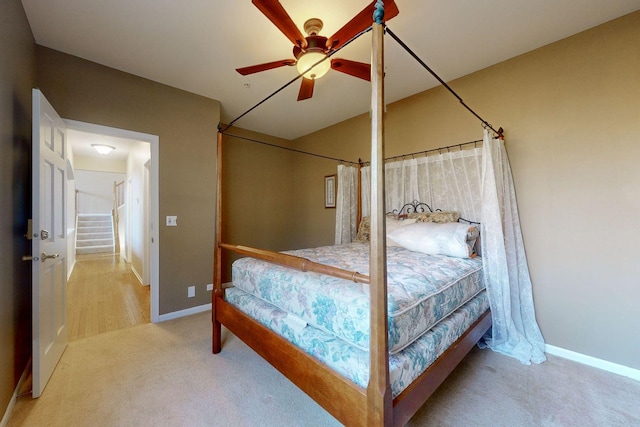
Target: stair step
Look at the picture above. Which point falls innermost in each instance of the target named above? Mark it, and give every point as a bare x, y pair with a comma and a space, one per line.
89, 236
84, 224
94, 242
94, 217
94, 230
94, 234
103, 219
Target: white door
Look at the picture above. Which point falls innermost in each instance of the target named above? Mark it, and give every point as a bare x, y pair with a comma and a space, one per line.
49, 244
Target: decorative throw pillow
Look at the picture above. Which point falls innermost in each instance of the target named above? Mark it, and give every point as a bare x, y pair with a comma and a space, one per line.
473, 232
437, 217
364, 230
434, 239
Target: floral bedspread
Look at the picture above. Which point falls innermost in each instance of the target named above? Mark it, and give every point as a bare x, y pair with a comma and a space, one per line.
422, 290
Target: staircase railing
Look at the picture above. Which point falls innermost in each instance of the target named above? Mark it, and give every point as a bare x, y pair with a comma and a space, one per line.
118, 202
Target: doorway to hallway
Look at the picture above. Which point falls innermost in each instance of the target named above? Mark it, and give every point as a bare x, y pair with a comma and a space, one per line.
118, 288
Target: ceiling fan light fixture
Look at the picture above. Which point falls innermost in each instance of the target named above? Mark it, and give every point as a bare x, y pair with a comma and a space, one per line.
306, 61
103, 149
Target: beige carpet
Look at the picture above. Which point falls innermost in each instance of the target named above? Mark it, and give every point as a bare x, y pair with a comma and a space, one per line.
165, 375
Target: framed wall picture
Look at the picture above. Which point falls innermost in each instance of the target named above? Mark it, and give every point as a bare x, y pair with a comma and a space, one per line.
330, 186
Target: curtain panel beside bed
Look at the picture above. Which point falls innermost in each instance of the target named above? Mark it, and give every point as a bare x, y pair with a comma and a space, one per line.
346, 204
515, 331
478, 184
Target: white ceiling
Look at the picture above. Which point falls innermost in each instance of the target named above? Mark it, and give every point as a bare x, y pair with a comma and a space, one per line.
81, 144
196, 46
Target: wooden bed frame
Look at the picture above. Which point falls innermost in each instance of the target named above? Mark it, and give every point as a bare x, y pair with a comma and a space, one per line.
348, 403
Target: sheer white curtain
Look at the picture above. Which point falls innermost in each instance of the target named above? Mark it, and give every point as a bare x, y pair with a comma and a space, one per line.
515, 331
346, 204
478, 184
365, 191
448, 181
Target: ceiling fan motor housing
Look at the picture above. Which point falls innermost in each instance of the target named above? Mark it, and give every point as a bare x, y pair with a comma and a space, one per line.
314, 44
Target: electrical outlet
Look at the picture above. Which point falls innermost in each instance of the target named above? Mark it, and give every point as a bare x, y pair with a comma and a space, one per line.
210, 287
191, 291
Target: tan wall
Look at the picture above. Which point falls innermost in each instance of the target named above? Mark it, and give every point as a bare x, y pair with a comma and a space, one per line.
273, 198
257, 193
571, 111
313, 224
17, 76
186, 126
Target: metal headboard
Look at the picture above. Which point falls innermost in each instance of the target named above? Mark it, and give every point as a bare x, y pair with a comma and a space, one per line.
414, 207
420, 207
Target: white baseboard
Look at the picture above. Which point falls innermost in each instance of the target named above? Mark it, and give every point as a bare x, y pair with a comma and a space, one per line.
12, 402
614, 368
183, 313
135, 273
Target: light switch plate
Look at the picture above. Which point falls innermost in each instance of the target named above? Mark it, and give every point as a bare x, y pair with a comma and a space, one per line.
172, 221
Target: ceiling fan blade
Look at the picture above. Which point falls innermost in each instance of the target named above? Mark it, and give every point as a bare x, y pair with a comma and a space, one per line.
274, 11
264, 67
360, 22
353, 68
306, 89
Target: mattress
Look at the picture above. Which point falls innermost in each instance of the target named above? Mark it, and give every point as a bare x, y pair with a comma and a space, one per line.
422, 290
352, 362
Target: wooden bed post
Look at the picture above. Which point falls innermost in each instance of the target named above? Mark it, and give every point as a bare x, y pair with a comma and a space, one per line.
379, 397
359, 197
217, 252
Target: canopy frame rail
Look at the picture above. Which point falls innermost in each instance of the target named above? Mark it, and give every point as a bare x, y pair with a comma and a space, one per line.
295, 150
485, 123
448, 149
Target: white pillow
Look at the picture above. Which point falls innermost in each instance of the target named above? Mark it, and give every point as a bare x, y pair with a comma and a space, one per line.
433, 238
394, 224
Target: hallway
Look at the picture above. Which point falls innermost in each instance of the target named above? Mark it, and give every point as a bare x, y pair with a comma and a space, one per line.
104, 295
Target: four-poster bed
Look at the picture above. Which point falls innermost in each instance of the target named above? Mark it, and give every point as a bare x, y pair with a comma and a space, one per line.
358, 374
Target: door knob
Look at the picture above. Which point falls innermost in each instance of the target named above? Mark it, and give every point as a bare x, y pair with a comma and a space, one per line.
46, 257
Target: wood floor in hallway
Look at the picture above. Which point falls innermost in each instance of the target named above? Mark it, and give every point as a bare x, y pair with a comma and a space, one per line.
104, 295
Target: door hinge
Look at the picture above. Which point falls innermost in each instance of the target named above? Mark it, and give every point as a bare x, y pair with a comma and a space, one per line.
29, 229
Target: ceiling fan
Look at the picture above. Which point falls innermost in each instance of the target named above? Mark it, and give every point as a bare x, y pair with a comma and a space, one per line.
309, 50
